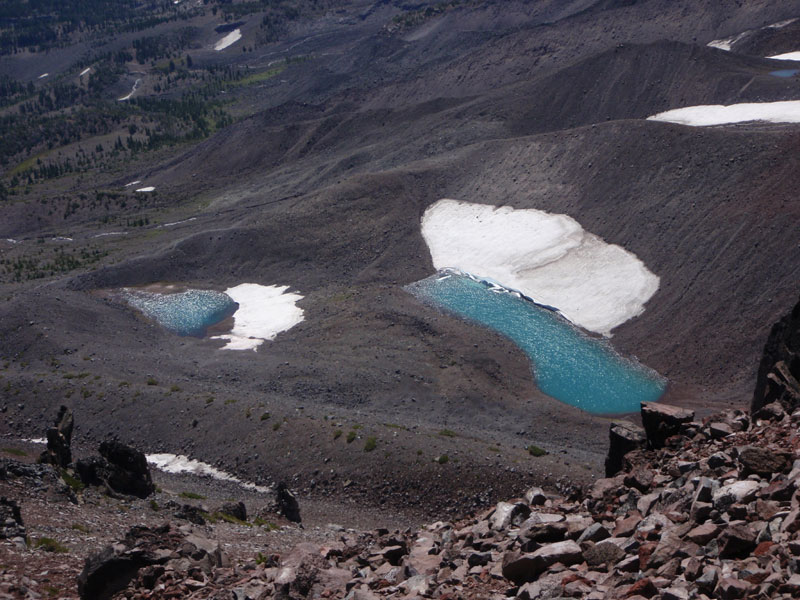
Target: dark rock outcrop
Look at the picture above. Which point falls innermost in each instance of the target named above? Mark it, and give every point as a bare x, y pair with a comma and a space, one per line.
624, 436
286, 503
120, 468
662, 421
11, 525
59, 440
778, 377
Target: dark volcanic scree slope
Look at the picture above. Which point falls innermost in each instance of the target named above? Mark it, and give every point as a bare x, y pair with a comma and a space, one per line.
325, 193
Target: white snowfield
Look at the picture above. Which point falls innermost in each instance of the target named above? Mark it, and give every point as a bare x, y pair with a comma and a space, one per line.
787, 111
149, 188
786, 56
727, 43
230, 39
177, 463
264, 311
548, 257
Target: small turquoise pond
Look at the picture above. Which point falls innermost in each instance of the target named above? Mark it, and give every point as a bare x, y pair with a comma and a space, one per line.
785, 72
568, 365
185, 313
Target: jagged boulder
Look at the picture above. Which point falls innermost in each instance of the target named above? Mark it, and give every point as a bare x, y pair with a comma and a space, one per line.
59, 440
662, 421
120, 468
763, 461
778, 377
624, 437
113, 568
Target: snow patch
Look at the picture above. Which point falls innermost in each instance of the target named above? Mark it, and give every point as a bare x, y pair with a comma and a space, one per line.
177, 463
110, 233
781, 24
132, 183
547, 257
786, 56
85, 71
727, 43
61, 238
12, 241
149, 188
716, 114
177, 222
264, 311
34, 440
230, 39
43, 75
133, 90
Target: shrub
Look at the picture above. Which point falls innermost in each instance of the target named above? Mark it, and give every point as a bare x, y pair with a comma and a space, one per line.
50, 545
536, 451
75, 484
15, 451
152, 381
370, 444
264, 416
447, 433
351, 436
443, 459
268, 525
192, 496
337, 434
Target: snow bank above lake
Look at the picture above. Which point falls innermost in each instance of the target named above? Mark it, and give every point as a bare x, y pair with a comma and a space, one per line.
230, 39
716, 114
264, 311
548, 257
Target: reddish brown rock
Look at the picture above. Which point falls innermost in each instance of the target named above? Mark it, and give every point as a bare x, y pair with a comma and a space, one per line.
762, 461
702, 534
643, 587
736, 541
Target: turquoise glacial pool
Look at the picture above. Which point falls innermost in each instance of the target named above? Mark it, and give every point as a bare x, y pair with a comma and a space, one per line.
185, 313
785, 72
568, 365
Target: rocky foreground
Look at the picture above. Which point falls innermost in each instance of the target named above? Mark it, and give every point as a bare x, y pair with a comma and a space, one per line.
715, 513
688, 509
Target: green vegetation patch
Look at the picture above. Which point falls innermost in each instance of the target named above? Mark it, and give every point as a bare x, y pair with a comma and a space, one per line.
15, 451
370, 444
536, 451
75, 484
268, 525
50, 545
192, 496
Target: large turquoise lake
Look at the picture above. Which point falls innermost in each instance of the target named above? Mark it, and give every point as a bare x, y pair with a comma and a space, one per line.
568, 365
186, 313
